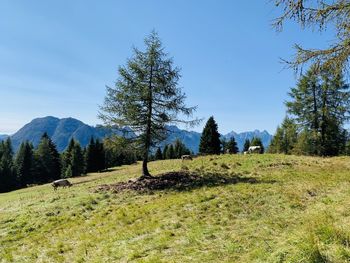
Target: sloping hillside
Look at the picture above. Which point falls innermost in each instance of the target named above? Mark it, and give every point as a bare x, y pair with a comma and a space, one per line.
255, 208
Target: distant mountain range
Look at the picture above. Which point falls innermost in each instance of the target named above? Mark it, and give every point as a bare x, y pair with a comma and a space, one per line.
63, 130
3, 137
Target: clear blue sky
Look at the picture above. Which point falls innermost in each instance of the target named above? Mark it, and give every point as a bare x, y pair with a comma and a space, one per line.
57, 56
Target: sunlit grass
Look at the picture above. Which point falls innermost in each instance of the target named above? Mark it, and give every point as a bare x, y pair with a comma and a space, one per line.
297, 209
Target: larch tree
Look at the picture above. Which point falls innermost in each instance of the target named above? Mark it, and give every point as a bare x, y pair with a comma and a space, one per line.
319, 15
146, 97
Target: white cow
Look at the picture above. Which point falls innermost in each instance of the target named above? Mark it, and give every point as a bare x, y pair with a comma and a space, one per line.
254, 149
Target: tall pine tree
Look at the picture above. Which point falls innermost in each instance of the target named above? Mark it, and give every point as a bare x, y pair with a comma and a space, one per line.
47, 158
210, 139
24, 163
231, 146
8, 178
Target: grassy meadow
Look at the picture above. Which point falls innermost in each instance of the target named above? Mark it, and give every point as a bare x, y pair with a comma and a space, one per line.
282, 209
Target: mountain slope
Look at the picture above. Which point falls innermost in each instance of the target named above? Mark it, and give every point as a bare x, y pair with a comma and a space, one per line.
61, 131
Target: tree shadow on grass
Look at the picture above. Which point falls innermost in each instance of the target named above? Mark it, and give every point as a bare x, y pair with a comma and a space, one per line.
180, 181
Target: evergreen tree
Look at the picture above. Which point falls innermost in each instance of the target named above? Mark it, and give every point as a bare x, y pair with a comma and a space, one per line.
223, 145
165, 152
24, 164
47, 158
73, 159
78, 161
321, 104
95, 156
231, 146
256, 141
170, 154
146, 97
68, 172
8, 178
210, 139
304, 144
246, 145
285, 138
99, 156
180, 149
90, 157
119, 151
159, 154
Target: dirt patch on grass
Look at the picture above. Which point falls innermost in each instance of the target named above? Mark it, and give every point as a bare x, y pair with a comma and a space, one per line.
180, 181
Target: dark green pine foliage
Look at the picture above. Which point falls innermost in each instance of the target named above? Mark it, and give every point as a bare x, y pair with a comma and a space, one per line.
73, 162
165, 151
210, 139
147, 97
100, 156
231, 146
170, 153
119, 151
256, 141
47, 161
158, 154
320, 104
180, 149
246, 145
8, 180
24, 163
90, 157
285, 138
95, 157
78, 160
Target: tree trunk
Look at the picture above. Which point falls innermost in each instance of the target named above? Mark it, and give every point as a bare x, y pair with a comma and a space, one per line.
145, 172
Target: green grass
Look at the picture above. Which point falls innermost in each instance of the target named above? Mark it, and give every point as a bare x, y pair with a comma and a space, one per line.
294, 209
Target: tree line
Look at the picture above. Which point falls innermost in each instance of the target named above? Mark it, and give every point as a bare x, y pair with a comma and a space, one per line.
171, 151
211, 143
44, 163
317, 112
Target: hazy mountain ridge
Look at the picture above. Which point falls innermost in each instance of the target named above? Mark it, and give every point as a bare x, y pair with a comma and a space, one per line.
62, 130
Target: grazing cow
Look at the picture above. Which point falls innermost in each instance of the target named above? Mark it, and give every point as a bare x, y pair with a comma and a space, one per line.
186, 157
61, 183
254, 149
